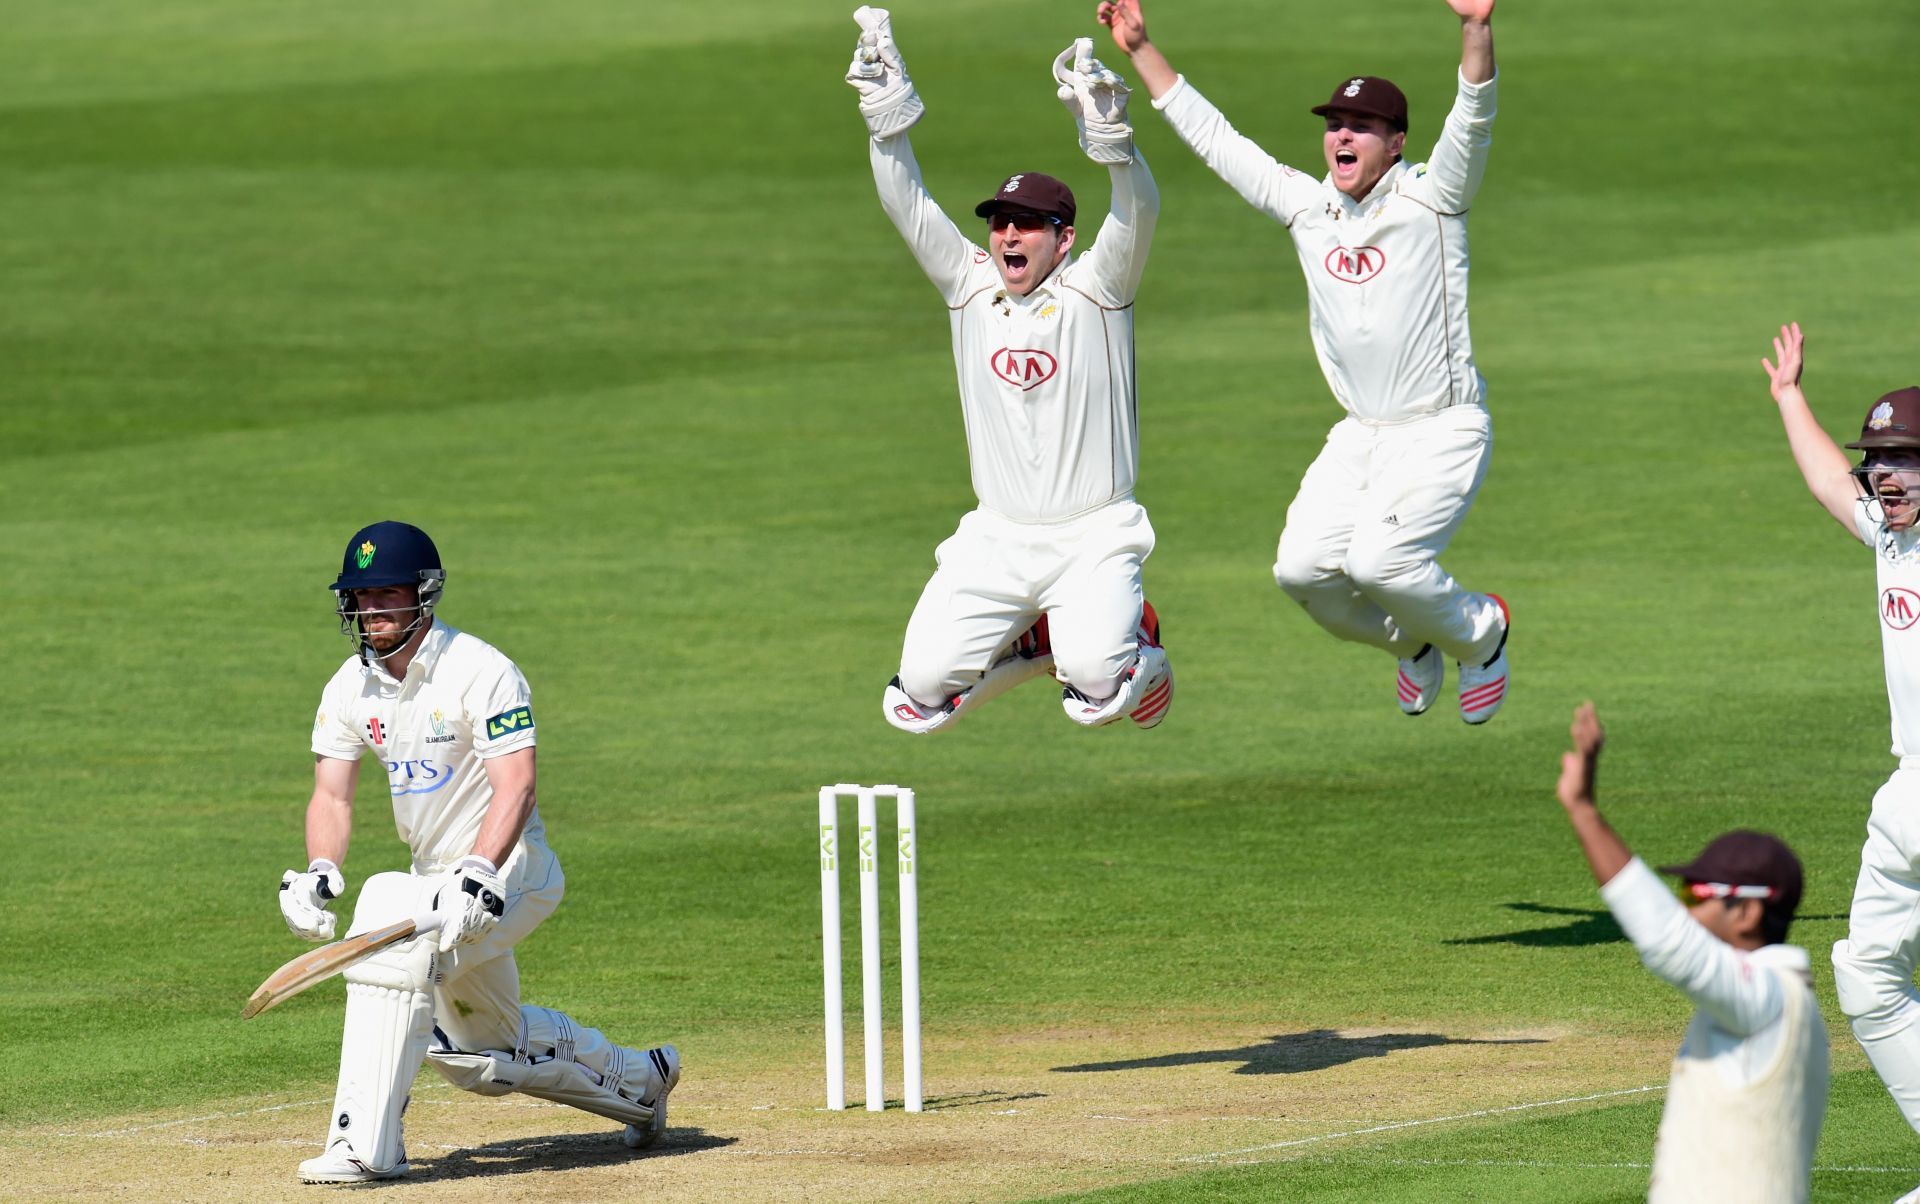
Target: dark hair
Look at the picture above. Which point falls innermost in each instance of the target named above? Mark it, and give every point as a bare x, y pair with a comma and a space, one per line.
1774, 922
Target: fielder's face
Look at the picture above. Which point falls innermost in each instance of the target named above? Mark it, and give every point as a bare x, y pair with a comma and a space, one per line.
1026, 247
1360, 148
386, 614
1894, 478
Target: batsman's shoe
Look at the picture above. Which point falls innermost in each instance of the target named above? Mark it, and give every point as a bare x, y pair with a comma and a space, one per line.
909, 716
1156, 689
666, 1059
1420, 679
1146, 689
1484, 687
338, 1165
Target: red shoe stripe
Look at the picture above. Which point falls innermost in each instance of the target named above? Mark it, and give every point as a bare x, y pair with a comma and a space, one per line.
1484, 695
1157, 694
1147, 711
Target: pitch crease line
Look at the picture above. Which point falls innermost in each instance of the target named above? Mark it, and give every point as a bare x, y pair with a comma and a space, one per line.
1409, 1124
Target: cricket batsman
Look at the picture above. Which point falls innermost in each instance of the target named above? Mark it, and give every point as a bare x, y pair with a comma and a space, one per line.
1748, 1090
1383, 246
1877, 501
1045, 575
449, 722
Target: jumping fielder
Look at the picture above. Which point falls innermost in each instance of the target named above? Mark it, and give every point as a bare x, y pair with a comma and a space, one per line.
1748, 1090
1383, 245
1877, 501
450, 721
1045, 573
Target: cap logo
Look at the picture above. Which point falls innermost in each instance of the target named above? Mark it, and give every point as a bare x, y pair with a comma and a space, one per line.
365, 555
1353, 88
1012, 184
1881, 418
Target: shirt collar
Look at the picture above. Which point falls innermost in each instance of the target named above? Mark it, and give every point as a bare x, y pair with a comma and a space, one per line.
424, 658
1380, 190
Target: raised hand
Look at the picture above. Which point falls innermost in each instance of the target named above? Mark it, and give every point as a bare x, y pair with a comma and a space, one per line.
1788, 350
887, 97
1124, 20
1097, 98
1579, 767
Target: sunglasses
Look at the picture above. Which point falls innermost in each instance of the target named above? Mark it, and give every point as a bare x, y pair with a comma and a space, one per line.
1026, 223
1695, 892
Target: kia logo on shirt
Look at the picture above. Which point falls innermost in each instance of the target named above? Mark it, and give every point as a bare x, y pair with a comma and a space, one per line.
1023, 367
1899, 608
1355, 265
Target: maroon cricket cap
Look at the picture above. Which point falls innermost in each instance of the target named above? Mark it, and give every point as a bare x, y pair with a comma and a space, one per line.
1745, 858
1030, 192
1894, 421
1368, 94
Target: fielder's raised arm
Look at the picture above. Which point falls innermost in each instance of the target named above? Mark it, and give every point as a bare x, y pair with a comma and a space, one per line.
1825, 468
1096, 97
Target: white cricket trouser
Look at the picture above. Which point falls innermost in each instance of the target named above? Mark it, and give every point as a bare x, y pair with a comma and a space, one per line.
1873, 967
476, 1002
997, 576
1375, 509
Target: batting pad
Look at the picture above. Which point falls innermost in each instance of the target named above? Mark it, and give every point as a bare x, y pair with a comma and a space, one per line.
557, 1060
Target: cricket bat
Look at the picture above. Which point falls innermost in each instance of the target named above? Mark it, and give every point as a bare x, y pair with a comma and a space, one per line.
318, 965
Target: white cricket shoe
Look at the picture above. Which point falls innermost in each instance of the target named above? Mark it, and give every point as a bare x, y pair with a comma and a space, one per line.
1420, 679
1155, 693
666, 1060
1484, 687
1145, 691
338, 1165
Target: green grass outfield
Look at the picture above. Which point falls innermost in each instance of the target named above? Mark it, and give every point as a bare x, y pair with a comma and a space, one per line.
600, 295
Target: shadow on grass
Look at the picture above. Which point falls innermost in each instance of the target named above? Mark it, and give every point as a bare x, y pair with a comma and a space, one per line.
558, 1152
1298, 1053
1591, 926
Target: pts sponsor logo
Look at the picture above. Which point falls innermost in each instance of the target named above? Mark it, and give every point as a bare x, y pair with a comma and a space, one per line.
417, 777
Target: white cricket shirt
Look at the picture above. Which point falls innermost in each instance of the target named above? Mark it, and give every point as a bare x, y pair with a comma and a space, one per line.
461, 703
1386, 275
1748, 1090
1897, 555
1046, 380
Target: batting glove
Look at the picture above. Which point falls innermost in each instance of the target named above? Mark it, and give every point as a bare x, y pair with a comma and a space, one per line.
304, 898
887, 98
1097, 98
472, 899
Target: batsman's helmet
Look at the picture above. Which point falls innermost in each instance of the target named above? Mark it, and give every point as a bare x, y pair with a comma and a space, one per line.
387, 553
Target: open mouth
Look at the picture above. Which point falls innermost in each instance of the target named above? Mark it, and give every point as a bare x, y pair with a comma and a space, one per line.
1345, 159
1015, 261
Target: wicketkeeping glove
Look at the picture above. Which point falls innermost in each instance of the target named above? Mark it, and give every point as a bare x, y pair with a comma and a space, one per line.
304, 898
1097, 98
472, 899
887, 98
